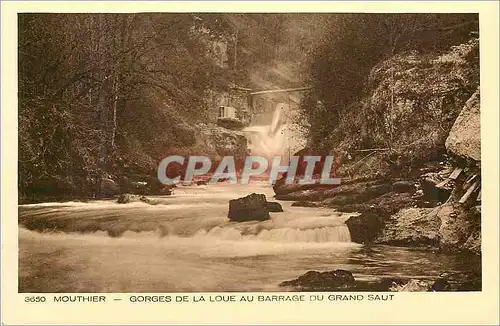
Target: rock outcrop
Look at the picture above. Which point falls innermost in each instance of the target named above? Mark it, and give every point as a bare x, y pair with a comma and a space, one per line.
409, 154
460, 228
464, 139
342, 280
411, 286
215, 141
412, 227
322, 281
230, 123
250, 208
411, 103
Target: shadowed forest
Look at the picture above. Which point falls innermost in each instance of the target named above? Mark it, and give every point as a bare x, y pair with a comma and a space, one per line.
106, 95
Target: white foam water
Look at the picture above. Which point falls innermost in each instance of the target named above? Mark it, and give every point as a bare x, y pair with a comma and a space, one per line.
268, 140
194, 247
318, 235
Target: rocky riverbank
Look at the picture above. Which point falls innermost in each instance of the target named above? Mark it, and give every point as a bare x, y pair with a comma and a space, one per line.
344, 281
437, 205
422, 189
207, 139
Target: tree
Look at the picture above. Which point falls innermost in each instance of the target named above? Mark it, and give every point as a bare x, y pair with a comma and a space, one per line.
89, 84
354, 43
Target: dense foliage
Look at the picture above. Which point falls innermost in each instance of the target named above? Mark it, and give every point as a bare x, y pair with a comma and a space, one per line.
354, 43
109, 94
97, 91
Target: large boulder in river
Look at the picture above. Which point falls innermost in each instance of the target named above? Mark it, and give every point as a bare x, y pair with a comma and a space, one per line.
250, 208
274, 207
322, 281
365, 227
414, 227
464, 139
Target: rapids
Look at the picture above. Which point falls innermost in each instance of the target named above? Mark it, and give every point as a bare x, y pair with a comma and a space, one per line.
186, 243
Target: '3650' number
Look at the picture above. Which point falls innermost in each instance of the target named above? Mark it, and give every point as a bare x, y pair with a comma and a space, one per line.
34, 299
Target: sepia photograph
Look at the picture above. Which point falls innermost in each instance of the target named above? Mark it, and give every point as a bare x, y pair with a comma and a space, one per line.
249, 152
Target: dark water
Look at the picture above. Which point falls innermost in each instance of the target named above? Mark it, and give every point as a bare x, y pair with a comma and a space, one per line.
186, 243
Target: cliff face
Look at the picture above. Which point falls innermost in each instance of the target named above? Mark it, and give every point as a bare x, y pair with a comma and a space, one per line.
410, 153
410, 104
464, 140
215, 141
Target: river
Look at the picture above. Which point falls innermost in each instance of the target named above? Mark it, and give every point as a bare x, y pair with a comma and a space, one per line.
186, 243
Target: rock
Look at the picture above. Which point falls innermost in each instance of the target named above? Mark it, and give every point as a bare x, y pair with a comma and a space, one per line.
472, 282
429, 182
365, 227
441, 284
385, 284
335, 196
304, 203
464, 139
146, 200
356, 193
108, 188
323, 281
154, 186
301, 195
274, 207
403, 186
418, 194
424, 89
460, 228
250, 208
413, 227
216, 141
411, 286
473, 242
381, 207
390, 203
281, 188
230, 123
374, 213
452, 233
129, 198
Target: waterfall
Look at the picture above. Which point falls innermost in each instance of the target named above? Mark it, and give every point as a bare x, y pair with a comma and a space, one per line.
338, 233
269, 140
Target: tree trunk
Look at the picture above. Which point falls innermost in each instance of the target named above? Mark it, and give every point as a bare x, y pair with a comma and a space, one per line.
115, 102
